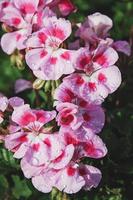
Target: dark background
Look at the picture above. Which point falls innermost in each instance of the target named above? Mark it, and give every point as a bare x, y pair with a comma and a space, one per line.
117, 167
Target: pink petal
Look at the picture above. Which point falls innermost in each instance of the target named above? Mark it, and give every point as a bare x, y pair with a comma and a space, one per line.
16, 102
22, 85
44, 116
58, 28
91, 175
9, 47
100, 23
107, 58
122, 46
94, 118
93, 147
13, 141
30, 170
26, 6
66, 7
64, 158
23, 115
3, 103
44, 182
68, 180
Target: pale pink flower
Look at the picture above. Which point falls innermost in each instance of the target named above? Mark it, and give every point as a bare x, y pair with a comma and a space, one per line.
21, 17
74, 176
94, 88
95, 27
32, 140
47, 60
86, 143
74, 116
70, 180
90, 61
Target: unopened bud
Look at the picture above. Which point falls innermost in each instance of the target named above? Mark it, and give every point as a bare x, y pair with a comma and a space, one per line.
47, 86
38, 84
17, 59
6, 28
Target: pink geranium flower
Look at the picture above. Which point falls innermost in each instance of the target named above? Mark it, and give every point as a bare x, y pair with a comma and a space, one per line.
94, 88
74, 116
90, 61
20, 16
46, 58
69, 180
74, 175
95, 28
32, 140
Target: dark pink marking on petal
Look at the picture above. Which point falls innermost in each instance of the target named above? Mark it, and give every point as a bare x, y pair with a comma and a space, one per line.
102, 78
40, 116
83, 103
89, 148
66, 56
27, 8
18, 36
23, 138
59, 158
66, 120
57, 32
43, 54
27, 118
92, 86
53, 60
42, 37
16, 21
47, 142
79, 80
84, 61
86, 117
71, 140
36, 147
100, 59
5, 4
71, 171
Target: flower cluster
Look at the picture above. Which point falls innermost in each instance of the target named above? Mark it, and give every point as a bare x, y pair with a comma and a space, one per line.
52, 144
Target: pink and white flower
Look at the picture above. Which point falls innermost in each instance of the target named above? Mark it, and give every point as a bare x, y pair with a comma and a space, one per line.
74, 116
21, 17
93, 89
86, 143
32, 140
95, 28
90, 61
47, 60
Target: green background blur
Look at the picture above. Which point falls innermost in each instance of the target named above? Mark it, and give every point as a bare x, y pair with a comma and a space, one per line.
117, 167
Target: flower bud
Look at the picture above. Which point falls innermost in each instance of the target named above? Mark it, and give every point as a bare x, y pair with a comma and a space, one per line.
47, 86
38, 84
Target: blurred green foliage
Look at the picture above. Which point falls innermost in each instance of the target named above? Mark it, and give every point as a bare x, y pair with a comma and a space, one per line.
117, 167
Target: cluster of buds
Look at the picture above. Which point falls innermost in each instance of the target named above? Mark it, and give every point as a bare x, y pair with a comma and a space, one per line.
52, 144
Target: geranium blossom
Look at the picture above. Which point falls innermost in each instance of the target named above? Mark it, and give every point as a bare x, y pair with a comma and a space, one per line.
90, 61
76, 76
20, 17
47, 60
68, 175
31, 137
89, 116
